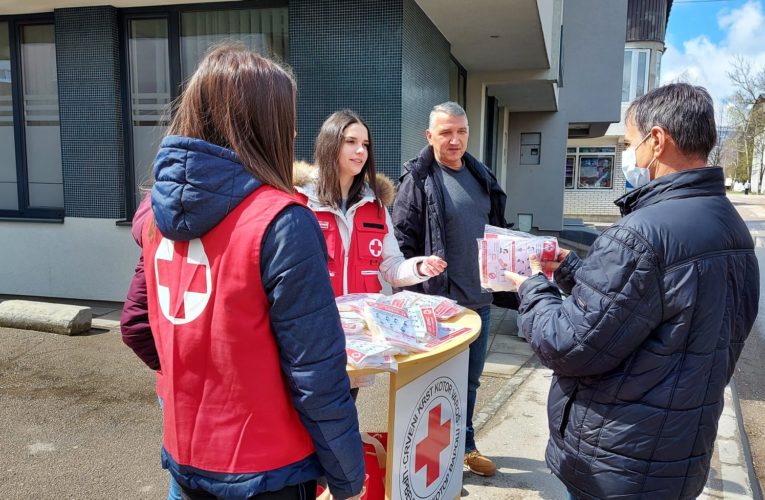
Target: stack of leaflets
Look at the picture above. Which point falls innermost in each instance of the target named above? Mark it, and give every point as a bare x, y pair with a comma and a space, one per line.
503, 250
378, 327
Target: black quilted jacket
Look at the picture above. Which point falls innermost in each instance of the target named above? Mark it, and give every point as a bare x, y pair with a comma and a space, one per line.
418, 213
645, 344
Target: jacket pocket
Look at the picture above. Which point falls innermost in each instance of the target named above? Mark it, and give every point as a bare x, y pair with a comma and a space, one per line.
566, 415
369, 241
371, 281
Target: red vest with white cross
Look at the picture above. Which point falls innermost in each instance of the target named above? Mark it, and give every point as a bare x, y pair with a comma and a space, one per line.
227, 407
362, 266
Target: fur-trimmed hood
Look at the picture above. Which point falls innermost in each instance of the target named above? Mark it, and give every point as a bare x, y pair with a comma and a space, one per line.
304, 176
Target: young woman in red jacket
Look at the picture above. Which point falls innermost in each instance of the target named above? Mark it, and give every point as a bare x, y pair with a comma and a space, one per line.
349, 197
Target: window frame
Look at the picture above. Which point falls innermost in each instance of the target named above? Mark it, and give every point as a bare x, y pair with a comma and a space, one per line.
572, 156
173, 15
461, 82
576, 153
632, 94
24, 211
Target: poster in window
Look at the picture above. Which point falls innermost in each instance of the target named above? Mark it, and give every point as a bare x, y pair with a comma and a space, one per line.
596, 172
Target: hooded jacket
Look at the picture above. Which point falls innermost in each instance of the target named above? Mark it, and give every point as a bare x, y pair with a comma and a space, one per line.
394, 268
643, 347
198, 186
419, 218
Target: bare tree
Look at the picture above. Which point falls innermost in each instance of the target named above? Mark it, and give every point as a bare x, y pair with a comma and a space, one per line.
746, 113
716, 156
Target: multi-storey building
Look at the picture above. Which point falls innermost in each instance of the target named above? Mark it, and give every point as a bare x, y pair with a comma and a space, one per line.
593, 175
84, 89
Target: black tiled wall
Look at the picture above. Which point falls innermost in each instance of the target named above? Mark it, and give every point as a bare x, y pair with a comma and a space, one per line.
425, 77
347, 54
87, 57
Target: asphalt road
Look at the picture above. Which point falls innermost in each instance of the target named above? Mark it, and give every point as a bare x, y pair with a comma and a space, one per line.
79, 418
750, 370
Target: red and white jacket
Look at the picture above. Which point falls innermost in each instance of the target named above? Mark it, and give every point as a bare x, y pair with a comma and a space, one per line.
360, 242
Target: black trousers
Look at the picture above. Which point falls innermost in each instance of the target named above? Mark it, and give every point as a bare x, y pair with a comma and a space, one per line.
304, 491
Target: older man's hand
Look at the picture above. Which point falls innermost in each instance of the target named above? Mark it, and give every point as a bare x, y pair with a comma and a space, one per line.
516, 280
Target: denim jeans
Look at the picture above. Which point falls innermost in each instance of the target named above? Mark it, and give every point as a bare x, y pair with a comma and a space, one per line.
174, 493
475, 368
303, 491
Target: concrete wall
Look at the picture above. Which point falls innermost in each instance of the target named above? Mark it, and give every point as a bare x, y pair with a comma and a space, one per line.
537, 189
593, 59
83, 258
87, 256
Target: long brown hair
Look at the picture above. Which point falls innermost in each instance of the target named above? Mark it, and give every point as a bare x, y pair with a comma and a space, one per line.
326, 153
245, 102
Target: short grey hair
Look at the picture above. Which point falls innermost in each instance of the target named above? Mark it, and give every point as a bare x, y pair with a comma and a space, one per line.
450, 108
685, 111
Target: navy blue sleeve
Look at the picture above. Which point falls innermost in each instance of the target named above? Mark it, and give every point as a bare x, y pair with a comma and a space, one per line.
565, 275
613, 307
409, 218
306, 324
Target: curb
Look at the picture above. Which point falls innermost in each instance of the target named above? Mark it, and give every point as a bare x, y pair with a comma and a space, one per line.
746, 450
504, 394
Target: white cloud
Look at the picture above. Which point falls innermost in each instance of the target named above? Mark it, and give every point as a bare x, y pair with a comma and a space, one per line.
703, 62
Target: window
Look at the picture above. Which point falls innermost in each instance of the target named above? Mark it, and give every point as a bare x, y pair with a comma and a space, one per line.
635, 76
457, 82
31, 180
569, 174
150, 94
593, 167
164, 47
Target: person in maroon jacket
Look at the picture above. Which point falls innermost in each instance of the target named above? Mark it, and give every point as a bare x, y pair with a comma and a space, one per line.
134, 322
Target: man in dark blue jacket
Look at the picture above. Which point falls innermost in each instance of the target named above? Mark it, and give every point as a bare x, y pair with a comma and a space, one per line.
656, 318
444, 200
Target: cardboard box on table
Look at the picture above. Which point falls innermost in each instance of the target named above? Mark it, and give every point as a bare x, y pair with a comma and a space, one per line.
427, 407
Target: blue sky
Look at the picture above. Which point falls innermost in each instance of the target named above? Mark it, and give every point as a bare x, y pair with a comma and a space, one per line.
703, 37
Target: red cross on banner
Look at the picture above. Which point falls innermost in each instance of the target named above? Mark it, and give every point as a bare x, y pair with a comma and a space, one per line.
428, 451
181, 276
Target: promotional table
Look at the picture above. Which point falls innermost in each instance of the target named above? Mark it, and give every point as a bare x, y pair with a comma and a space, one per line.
426, 417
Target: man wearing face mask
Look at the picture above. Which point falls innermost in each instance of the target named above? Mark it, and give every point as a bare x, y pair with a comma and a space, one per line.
656, 317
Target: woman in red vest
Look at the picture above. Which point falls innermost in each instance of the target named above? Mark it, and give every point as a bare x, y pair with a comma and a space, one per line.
349, 197
256, 403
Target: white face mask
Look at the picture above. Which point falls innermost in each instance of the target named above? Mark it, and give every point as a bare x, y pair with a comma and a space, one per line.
636, 176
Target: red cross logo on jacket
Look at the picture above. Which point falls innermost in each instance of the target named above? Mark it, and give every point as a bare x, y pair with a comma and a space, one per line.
183, 279
375, 247
428, 451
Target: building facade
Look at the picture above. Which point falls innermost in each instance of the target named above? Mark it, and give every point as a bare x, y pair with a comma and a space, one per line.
593, 173
85, 89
